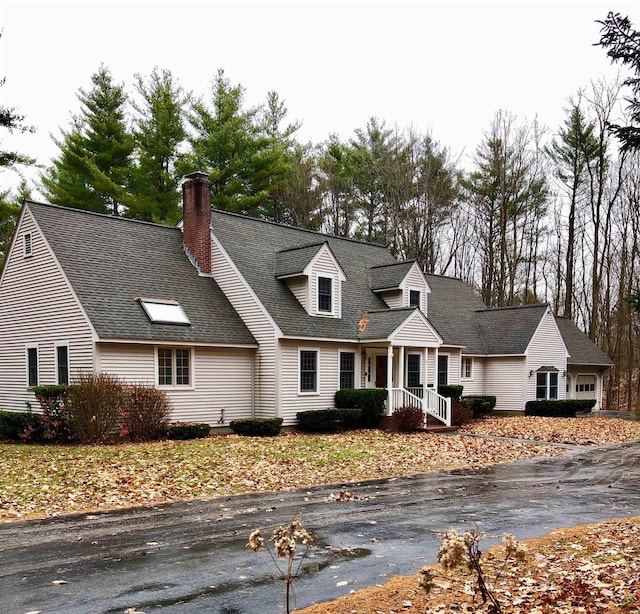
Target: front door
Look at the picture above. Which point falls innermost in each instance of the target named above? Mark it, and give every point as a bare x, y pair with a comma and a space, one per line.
381, 371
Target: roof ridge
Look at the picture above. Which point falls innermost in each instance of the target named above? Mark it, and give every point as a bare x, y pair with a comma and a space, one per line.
393, 309
381, 266
97, 214
297, 228
293, 249
511, 307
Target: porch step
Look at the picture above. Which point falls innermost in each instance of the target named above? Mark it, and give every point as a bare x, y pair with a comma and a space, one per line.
440, 428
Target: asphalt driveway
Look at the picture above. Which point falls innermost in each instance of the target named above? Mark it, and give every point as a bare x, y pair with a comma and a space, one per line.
190, 557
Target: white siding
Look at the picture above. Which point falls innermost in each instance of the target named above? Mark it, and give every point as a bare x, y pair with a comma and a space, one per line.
38, 307
475, 385
222, 378
546, 348
328, 378
262, 328
454, 366
325, 266
505, 378
393, 299
415, 332
414, 280
300, 286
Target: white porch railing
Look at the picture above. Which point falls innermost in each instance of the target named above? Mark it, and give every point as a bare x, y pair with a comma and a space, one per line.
427, 399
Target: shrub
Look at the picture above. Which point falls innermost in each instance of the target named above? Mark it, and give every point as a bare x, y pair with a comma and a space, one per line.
257, 427
20, 426
188, 430
370, 400
55, 417
460, 413
146, 412
565, 408
480, 405
452, 391
328, 420
409, 418
95, 403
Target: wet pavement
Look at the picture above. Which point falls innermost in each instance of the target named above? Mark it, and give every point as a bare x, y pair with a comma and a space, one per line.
190, 557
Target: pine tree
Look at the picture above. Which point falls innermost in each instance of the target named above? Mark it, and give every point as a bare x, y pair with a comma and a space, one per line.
159, 131
94, 168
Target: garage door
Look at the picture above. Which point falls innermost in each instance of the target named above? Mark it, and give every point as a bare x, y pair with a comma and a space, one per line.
586, 387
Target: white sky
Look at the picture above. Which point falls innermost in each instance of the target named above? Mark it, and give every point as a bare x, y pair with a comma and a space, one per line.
443, 67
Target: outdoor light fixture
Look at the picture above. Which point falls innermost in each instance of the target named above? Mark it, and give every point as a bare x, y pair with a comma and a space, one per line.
363, 354
531, 373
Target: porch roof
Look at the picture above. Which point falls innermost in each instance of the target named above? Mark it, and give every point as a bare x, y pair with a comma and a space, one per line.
384, 324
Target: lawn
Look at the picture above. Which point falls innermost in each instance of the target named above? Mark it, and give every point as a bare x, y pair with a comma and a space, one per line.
42, 481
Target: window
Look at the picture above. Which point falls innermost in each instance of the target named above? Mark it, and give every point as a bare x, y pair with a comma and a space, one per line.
164, 312
443, 369
466, 368
547, 385
414, 298
174, 367
413, 371
308, 370
325, 294
32, 366
27, 244
62, 364
347, 370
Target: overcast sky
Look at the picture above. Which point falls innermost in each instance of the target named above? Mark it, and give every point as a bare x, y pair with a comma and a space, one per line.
441, 67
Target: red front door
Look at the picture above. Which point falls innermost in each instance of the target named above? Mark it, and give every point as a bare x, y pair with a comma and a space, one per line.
381, 371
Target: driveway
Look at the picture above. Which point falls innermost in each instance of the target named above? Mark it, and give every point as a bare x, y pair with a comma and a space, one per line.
190, 557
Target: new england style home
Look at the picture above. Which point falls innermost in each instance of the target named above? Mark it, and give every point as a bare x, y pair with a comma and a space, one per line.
237, 317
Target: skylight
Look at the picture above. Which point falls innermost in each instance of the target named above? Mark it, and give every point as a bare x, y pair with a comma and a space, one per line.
164, 311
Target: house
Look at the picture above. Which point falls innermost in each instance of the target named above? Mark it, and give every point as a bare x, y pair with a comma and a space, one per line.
236, 317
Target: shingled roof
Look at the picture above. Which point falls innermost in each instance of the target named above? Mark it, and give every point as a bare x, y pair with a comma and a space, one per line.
294, 261
110, 261
581, 349
254, 246
389, 276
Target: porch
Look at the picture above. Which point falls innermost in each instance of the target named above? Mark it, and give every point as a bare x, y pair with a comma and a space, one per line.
408, 372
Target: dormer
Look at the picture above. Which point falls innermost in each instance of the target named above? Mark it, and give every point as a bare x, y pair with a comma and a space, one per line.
314, 276
400, 284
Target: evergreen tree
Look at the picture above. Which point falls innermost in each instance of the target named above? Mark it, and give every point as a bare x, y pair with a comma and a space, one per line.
9, 210
622, 43
159, 131
94, 168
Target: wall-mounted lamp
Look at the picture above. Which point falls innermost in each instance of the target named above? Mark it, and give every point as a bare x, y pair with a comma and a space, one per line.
531, 373
564, 374
363, 354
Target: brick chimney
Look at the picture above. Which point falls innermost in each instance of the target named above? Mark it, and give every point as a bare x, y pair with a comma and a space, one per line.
196, 220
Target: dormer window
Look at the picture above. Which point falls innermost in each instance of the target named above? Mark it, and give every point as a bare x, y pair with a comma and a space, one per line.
414, 298
325, 294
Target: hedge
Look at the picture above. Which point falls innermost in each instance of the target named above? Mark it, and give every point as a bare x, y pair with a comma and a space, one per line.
452, 391
257, 427
370, 400
188, 430
480, 405
20, 426
328, 420
567, 408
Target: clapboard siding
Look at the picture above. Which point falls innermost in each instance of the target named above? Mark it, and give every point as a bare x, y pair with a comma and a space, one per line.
414, 280
415, 332
262, 328
38, 307
546, 348
393, 299
328, 378
505, 378
475, 385
325, 266
222, 380
299, 287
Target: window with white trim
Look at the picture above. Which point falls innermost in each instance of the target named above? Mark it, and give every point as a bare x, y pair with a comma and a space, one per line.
413, 370
466, 368
325, 294
174, 367
32, 366
347, 370
547, 385
414, 298
62, 365
27, 244
308, 371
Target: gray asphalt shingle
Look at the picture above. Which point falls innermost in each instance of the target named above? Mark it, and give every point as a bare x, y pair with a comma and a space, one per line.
581, 348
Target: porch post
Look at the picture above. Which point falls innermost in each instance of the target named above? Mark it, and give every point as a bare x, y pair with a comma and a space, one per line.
390, 380
401, 368
435, 370
599, 387
425, 372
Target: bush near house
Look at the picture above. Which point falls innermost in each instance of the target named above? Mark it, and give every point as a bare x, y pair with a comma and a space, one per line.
452, 391
565, 408
328, 420
480, 405
370, 400
20, 426
257, 427
408, 419
146, 412
55, 417
182, 431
